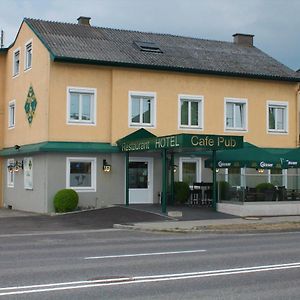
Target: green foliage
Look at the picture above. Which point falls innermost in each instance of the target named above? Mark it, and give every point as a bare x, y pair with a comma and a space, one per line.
181, 192
224, 188
265, 186
65, 200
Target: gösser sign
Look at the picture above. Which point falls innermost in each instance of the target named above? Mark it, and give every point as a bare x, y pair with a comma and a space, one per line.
199, 141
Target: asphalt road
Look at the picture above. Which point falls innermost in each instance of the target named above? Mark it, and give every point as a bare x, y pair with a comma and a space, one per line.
112, 264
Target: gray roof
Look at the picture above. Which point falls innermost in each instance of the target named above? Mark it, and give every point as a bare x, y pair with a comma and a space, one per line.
105, 46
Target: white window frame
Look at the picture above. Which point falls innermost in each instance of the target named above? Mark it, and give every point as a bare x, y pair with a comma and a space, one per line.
153, 109
191, 98
26, 65
93, 161
82, 90
236, 101
190, 160
14, 71
10, 175
279, 104
11, 123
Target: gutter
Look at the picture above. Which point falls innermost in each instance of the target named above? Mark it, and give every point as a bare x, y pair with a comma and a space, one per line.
65, 59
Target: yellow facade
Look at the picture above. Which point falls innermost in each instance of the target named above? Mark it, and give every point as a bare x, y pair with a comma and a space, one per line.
16, 88
51, 79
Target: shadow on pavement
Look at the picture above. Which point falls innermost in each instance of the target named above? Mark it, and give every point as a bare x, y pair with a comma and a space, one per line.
92, 219
103, 218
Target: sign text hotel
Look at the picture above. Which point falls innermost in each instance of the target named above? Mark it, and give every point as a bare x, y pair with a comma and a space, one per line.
208, 142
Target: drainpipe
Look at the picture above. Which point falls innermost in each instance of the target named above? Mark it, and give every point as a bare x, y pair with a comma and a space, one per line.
214, 195
164, 182
298, 114
127, 178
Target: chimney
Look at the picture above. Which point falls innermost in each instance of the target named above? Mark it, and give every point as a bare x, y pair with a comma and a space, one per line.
243, 39
84, 21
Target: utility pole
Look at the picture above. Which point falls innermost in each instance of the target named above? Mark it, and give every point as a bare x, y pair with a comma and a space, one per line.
2, 39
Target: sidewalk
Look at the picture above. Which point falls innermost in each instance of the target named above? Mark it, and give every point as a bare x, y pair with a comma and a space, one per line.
284, 223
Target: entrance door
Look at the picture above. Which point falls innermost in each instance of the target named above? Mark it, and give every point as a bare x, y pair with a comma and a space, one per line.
140, 180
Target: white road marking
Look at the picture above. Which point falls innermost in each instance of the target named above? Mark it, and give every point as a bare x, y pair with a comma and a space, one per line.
8, 235
139, 279
145, 254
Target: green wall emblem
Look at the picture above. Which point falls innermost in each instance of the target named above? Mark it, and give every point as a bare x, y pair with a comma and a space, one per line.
30, 105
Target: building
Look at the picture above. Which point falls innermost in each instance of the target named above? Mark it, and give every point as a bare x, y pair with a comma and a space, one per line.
69, 92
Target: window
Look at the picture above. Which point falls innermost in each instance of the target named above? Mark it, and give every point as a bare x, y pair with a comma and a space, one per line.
142, 109
10, 174
28, 55
189, 170
81, 174
236, 114
191, 111
81, 106
11, 114
277, 116
16, 62
148, 46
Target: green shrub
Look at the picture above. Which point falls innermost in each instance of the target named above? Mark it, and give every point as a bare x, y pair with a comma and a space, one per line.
224, 188
65, 200
181, 192
265, 186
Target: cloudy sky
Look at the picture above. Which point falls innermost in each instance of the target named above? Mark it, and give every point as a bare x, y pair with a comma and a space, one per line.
275, 23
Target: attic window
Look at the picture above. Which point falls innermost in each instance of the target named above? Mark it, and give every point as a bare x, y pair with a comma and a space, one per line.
148, 47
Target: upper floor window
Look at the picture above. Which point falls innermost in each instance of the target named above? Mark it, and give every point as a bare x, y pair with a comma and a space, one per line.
16, 62
28, 55
142, 109
235, 114
191, 111
277, 116
81, 106
12, 114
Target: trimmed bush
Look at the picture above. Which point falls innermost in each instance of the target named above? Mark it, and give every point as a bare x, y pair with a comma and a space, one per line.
65, 200
265, 186
267, 190
181, 192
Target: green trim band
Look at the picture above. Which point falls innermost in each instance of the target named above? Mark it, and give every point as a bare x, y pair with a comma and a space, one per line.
60, 147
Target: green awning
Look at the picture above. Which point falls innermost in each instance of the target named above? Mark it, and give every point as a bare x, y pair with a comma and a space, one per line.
60, 147
249, 156
292, 158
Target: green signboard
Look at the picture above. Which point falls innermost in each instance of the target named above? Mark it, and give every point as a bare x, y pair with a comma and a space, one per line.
179, 141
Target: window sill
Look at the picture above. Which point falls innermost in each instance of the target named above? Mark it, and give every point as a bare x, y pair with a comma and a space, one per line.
277, 132
141, 125
82, 190
236, 130
81, 123
190, 127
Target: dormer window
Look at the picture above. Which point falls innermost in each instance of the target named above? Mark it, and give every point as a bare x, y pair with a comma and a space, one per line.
28, 55
16, 62
148, 47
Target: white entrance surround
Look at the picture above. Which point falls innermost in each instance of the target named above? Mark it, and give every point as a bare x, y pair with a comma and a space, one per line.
144, 194
272, 208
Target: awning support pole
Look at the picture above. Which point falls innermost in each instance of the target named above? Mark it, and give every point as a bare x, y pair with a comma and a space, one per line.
164, 182
214, 194
127, 178
172, 177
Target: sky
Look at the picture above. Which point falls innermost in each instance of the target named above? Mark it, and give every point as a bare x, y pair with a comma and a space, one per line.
275, 23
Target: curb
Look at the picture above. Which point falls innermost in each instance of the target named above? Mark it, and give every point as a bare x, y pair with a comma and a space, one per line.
246, 228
